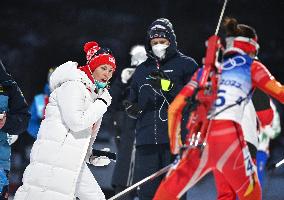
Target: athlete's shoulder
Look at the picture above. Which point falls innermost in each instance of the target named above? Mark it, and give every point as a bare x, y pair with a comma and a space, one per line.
257, 65
260, 72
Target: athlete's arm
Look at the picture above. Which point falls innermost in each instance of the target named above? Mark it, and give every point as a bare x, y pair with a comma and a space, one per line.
175, 114
263, 80
261, 102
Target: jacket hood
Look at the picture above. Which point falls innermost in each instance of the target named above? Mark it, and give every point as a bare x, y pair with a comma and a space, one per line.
68, 72
162, 25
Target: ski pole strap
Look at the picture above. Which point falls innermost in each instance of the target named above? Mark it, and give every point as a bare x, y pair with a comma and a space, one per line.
98, 153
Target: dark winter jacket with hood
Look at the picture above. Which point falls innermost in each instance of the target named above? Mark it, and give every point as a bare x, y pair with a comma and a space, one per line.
13, 103
152, 124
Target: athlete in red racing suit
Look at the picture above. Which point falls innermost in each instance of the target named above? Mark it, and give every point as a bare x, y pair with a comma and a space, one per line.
226, 149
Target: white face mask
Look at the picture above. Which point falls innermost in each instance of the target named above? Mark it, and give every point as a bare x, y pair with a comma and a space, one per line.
160, 50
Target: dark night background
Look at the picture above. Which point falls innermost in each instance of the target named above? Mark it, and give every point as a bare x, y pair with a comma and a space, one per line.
38, 34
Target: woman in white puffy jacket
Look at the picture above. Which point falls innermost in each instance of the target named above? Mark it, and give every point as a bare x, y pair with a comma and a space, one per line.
79, 98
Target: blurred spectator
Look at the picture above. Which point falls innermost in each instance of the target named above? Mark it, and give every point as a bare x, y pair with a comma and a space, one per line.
125, 126
267, 133
37, 109
14, 117
154, 85
21, 155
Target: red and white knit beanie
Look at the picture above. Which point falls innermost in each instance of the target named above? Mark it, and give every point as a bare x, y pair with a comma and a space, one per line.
97, 56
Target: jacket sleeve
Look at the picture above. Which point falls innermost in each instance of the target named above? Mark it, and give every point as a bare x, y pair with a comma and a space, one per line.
72, 103
261, 102
116, 91
95, 130
34, 122
175, 115
263, 80
18, 115
133, 93
189, 68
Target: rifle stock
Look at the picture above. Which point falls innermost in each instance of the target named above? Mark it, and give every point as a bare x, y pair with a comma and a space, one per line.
206, 93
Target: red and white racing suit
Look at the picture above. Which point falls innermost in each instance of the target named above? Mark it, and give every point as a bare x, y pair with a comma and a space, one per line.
226, 150
261, 112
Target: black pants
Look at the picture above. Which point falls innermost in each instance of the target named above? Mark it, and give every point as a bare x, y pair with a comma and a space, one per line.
150, 159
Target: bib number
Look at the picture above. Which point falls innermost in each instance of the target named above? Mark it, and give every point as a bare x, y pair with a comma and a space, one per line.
248, 162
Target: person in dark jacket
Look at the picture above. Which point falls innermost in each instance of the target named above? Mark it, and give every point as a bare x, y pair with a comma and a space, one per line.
14, 118
155, 84
125, 126
37, 108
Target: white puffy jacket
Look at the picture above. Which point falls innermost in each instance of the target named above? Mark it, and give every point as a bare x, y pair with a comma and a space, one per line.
71, 123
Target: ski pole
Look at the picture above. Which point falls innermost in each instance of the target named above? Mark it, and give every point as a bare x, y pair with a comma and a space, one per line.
279, 163
276, 165
158, 173
220, 17
149, 178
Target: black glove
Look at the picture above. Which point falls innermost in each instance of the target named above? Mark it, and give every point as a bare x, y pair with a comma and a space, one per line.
159, 80
131, 109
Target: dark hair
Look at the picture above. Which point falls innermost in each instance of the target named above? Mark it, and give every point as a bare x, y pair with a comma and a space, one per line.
234, 29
